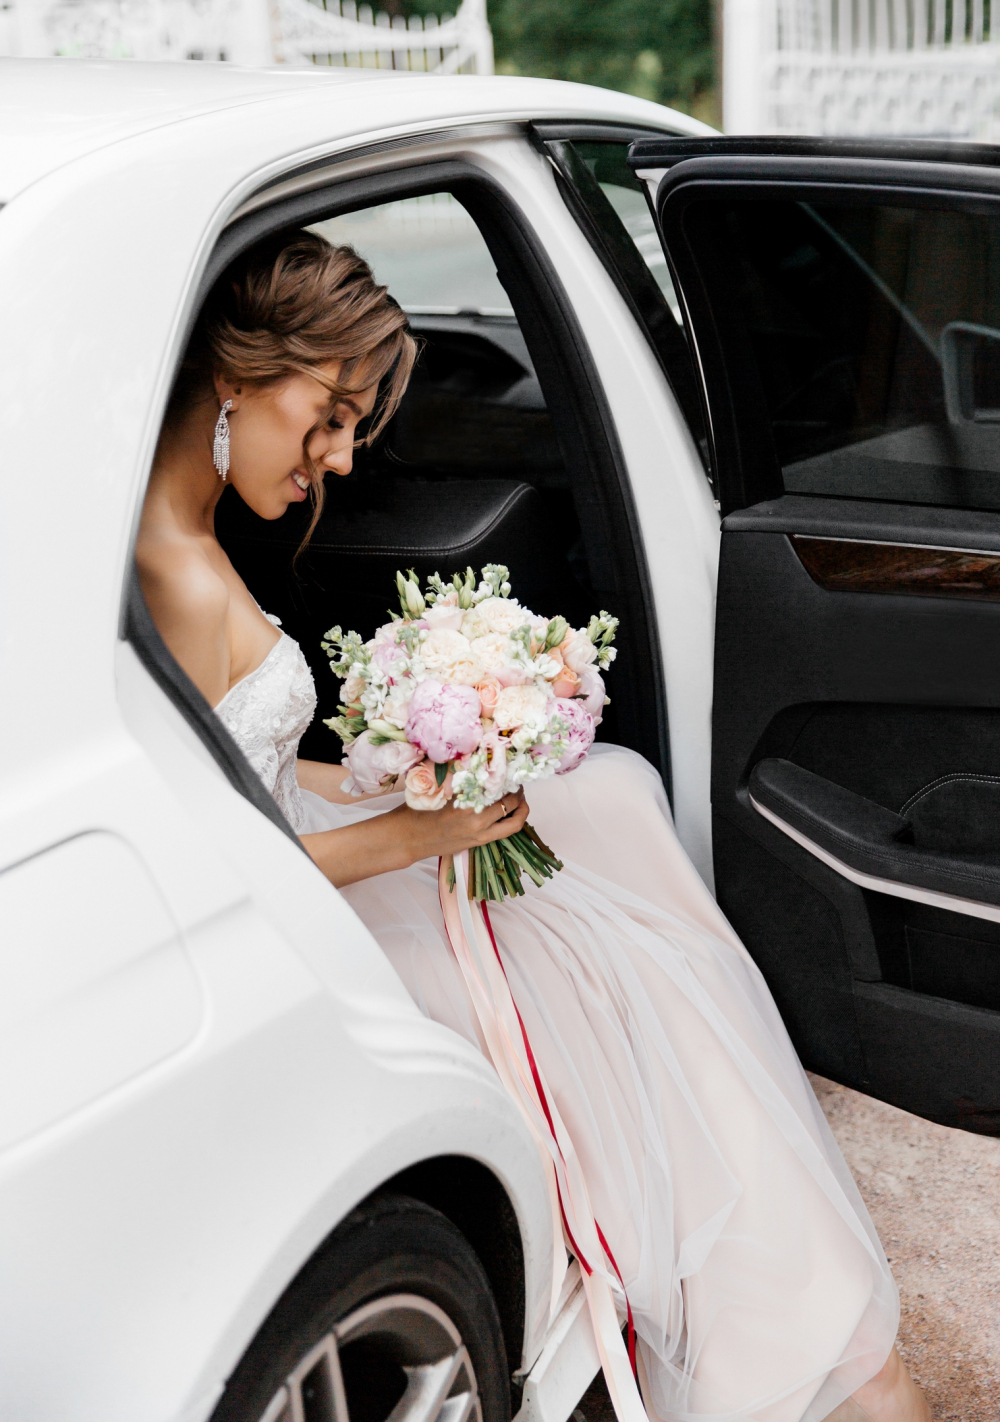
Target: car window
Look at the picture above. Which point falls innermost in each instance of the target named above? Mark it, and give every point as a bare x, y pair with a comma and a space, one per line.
429, 253
609, 165
610, 205
872, 333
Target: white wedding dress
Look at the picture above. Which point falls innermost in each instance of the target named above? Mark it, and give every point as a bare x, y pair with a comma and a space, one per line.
757, 1282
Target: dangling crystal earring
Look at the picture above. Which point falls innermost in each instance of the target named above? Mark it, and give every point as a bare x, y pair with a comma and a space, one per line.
220, 445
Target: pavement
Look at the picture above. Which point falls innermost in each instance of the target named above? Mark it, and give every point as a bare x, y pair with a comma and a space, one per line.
934, 1194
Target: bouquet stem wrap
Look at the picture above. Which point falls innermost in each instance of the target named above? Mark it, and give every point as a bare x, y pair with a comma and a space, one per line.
470, 934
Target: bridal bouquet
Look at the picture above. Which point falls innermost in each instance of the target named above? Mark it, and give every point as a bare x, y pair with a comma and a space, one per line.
465, 696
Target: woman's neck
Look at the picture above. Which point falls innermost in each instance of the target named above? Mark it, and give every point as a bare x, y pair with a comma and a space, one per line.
184, 480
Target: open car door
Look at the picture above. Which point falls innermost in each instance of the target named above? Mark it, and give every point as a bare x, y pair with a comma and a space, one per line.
843, 304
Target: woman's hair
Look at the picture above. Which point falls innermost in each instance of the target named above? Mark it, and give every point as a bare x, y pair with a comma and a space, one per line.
287, 306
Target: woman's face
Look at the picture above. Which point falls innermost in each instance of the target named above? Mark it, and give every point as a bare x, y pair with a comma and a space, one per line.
266, 430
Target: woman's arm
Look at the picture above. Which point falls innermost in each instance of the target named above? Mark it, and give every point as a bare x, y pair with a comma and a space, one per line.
402, 837
326, 780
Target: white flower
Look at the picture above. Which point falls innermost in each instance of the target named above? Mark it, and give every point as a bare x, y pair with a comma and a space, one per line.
493, 650
444, 615
447, 656
494, 614
396, 704
519, 706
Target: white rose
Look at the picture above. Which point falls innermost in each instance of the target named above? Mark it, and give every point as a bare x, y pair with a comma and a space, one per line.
444, 615
493, 650
447, 656
518, 706
494, 614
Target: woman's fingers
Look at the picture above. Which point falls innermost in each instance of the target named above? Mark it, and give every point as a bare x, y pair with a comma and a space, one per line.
507, 824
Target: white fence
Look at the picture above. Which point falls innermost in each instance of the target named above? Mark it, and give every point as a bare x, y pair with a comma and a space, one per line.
296, 32
926, 68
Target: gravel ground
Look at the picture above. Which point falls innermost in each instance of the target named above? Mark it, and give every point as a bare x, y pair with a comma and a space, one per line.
934, 1195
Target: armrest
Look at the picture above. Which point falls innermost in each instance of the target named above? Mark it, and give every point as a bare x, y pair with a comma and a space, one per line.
864, 836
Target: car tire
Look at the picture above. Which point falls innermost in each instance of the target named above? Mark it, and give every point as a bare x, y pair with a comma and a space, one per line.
394, 1315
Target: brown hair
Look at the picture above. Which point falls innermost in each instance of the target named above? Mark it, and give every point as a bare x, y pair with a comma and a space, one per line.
287, 306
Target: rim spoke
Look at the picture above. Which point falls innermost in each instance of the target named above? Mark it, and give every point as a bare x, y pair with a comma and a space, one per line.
441, 1389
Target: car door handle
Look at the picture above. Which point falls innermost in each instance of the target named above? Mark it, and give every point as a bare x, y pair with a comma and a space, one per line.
868, 844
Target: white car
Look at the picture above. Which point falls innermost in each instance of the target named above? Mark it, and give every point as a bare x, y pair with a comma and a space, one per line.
242, 1177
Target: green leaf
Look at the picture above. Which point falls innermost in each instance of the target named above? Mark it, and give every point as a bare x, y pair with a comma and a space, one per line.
441, 773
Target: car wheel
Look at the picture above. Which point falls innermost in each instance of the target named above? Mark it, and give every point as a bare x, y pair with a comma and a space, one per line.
393, 1317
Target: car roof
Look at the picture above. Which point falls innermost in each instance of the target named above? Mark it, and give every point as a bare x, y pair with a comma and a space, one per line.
53, 111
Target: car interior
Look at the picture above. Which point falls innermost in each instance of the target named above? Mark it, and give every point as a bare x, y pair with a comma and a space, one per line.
502, 451
850, 338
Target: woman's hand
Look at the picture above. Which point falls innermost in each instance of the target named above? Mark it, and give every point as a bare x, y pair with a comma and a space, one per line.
450, 830
403, 836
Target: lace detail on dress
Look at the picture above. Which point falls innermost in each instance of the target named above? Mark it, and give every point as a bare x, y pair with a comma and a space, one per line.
267, 714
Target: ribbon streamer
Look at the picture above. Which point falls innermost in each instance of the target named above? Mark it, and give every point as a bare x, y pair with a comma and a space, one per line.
470, 934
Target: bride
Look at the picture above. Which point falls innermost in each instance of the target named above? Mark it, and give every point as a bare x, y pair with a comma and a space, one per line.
757, 1283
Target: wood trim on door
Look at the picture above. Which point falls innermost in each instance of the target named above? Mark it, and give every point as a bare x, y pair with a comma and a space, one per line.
854, 565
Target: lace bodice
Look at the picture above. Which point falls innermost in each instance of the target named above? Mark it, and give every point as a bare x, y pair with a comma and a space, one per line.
267, 714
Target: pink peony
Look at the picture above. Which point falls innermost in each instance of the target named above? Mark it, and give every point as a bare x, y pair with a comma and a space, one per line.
489, 690
422, 790
580, 733
592, 692
372, 767
444, 720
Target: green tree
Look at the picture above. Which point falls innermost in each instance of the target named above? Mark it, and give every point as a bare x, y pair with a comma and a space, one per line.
658, 49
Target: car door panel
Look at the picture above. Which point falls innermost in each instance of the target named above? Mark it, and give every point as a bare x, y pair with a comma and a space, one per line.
844, 308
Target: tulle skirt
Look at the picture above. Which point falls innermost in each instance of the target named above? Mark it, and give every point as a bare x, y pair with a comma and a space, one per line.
757, 1282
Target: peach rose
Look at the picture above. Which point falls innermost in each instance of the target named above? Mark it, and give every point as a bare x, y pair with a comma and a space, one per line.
422, 792
566, 684
489, 689
578, 651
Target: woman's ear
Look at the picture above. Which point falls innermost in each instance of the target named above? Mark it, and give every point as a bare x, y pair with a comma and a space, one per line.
224, 391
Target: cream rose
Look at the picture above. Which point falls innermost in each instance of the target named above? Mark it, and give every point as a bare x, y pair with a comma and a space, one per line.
492, 650
578, 651
519, 706
444, 615
448, 656
494, 614
422, 792
353, 687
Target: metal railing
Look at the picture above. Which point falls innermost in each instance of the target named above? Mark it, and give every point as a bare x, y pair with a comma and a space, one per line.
256, 32
926, 68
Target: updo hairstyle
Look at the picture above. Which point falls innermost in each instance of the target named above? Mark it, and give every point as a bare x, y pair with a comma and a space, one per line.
287, 306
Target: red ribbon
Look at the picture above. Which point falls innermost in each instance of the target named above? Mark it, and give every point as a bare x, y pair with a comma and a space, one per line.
536, 1077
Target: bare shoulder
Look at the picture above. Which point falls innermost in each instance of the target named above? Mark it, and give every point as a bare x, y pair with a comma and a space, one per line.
189, 601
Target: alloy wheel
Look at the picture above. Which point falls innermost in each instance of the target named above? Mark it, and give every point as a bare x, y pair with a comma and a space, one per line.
396, 1359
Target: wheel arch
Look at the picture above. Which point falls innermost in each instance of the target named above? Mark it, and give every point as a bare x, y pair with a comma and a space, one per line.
469, 1194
